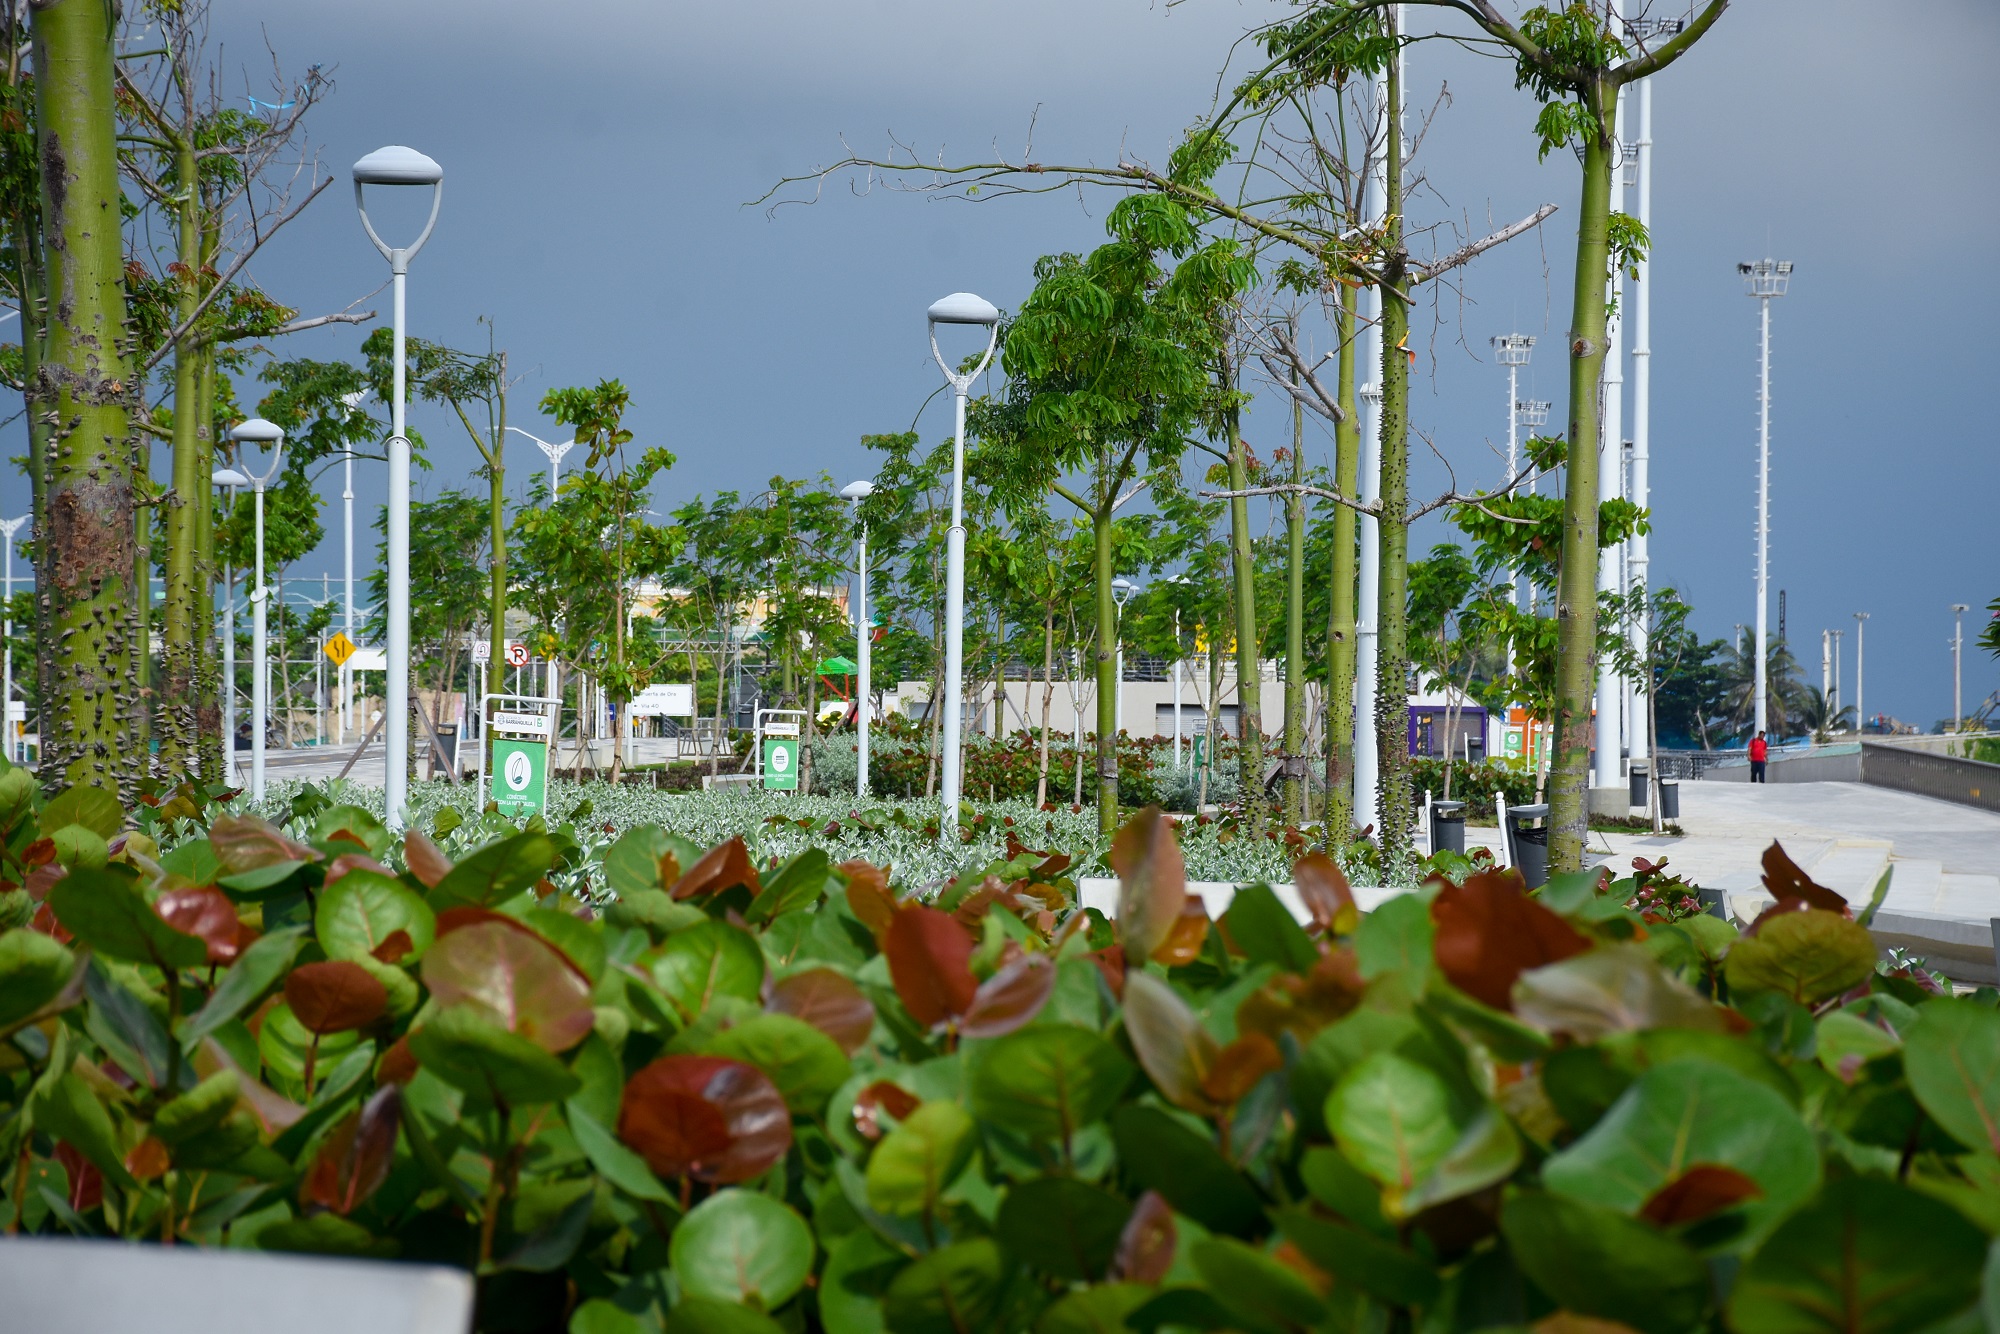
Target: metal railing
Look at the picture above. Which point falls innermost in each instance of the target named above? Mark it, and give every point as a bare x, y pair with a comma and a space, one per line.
1967, 782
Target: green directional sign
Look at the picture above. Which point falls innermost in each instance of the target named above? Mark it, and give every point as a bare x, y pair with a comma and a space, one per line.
520, 776
781, 763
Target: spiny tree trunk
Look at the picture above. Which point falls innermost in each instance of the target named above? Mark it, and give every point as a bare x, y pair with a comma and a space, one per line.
1392, 696
186, 503
85, 565
1295, 626
1576, 584
1340, 619
1107, 668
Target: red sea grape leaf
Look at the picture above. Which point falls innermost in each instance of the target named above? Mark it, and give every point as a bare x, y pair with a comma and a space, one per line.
334, 996
1702, 1190
725, 866
523, 983
1239, 1066
247, 843
1189, 932
1011, 998
354, 1160
426, 862
868, 895
706, 1117
881, 1096
205, 912
930, 963
1152, 882
394, 947
1324, 888
1489, 932
1146, 1246
829, 1002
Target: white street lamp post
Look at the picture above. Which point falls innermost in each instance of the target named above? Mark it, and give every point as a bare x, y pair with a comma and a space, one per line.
555, 453
1513, 351
864, 701
257, 431
1122, 590
1638, 546
1610, 758
1834, 706
232, 479
1860, 642
1765, 280
352, 401
1959, 645
396, 165
958, 308
9, 527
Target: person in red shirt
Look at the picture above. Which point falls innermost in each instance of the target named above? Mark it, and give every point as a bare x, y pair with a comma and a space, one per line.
1759, 753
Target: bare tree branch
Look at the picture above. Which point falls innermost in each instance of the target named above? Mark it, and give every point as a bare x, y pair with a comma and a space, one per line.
1465, 254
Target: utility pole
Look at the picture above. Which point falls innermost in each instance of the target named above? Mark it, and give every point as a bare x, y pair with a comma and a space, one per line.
1957, 652
1833, 705
1765, 280
1368, 602
1826, 673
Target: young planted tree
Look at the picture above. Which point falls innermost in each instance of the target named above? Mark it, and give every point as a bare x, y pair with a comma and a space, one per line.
1108, 370
592, 545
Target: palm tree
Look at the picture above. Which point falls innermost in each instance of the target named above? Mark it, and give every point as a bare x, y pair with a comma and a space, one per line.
1814, 716
1786, 704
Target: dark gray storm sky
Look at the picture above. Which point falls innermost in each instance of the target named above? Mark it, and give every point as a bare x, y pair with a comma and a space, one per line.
599, 155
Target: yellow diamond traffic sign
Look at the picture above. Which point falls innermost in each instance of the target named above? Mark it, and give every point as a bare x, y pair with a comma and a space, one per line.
340, 648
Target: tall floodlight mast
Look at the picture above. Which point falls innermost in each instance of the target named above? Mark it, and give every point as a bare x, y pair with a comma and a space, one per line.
1766, 279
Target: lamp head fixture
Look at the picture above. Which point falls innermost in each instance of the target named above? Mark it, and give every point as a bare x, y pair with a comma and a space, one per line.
857, 491
964, 308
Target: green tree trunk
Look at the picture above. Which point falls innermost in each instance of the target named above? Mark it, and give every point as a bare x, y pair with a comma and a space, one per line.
185, 502
1249, 672
1392, 696
1576, 587
209, 742
87, 550
1295, 625
1340, 619
1107, 668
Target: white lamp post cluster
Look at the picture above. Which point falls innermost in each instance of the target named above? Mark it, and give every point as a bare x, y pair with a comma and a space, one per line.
1765, 280
864, 700
258, 433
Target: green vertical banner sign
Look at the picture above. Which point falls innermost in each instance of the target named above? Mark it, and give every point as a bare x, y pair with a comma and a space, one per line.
520, 777
781, 763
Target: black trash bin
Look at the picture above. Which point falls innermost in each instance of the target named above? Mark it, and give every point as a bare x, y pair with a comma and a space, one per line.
1670, 798
1448, 826
1637, 779
1528, 848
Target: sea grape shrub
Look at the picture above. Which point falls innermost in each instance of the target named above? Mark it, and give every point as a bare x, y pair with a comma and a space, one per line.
799, 1097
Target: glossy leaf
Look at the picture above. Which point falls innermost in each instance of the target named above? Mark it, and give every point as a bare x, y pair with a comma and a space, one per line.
1147, 1241
1101, 1309
1046, 1082
1610, 989
1393, 1118
425, 860
1598, 1262
741, 1246
205, 913
829, 1002
613, 1161
805, 1064
92, 807
724, 867
335, 996
1396, 938
515, 979
797, 884
707, 960
359, 913
953, 1290
1254, 1285
496, 872
1683, 1114
34, 969
466, 1049
1152, 881
645, 857
1789, 885
704, 1116
879, 1097
1952, 1057
1011, 998
1808, 956
200, 1109
1263, 929
1374, 1264
1867, 1256
248, 843
1323, 886
107, 912
868, 895
1190, 932
930, 963
1063, 1227
354, 1160
910, 1169
1176, 1051
859, 1267
1489, 932
1160, 1153
1700, 1192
